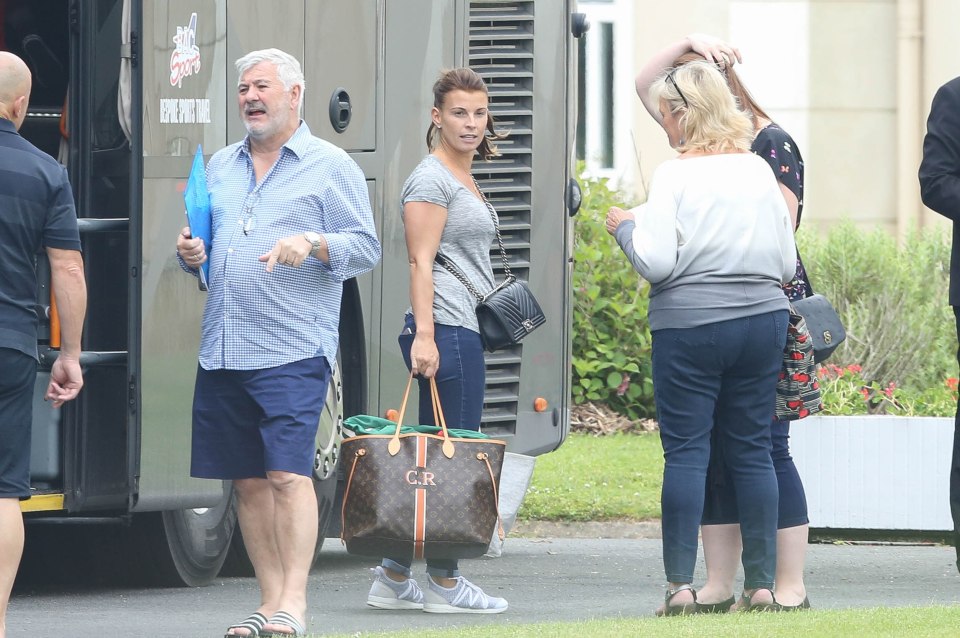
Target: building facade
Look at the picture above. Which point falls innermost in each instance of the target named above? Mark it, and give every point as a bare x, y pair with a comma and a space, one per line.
851, 80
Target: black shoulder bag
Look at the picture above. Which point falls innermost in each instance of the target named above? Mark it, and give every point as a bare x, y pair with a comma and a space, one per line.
509, 312
822, 320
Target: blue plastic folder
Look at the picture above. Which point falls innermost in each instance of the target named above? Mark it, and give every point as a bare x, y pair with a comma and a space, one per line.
197, 199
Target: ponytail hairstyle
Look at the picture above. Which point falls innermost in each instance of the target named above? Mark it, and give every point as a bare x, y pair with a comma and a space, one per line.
463, 79
707, 111
744, 98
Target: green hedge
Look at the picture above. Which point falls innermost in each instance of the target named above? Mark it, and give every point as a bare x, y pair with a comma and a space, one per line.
891, 296
611, 337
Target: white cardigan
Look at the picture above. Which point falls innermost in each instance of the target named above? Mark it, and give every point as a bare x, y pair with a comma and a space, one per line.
714, 239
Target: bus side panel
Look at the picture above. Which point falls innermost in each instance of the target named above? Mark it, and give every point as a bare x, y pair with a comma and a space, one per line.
253, 25
420, 41
546, 352
342, 66
518, 47
342, 42
185, 104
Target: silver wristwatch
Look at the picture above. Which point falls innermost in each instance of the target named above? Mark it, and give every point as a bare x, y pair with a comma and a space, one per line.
315, 242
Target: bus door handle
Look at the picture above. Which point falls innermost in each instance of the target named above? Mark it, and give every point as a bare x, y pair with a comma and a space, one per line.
340, 110
574, 197
88, 358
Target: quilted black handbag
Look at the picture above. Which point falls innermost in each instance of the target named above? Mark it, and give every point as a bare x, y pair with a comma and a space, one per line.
509, 312
824, 325
798, 390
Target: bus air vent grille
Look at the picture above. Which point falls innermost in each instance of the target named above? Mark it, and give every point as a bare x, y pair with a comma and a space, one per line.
501, 51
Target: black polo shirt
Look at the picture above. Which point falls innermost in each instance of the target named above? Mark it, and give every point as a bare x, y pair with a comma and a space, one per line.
36, 212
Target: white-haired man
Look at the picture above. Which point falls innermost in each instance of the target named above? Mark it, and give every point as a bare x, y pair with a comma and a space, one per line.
291, 220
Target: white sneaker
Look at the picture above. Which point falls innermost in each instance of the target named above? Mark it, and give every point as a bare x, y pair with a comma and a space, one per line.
462, 598
386, 593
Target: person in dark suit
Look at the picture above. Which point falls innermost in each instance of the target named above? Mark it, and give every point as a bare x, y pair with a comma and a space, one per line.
940, 191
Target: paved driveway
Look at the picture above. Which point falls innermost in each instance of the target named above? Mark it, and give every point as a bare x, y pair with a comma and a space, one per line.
545, 579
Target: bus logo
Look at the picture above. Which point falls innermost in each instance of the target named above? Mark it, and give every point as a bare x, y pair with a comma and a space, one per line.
185, 59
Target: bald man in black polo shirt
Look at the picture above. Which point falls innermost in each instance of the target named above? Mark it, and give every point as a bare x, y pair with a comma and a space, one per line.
36, 212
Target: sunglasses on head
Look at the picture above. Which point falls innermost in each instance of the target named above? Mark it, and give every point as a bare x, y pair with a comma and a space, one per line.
670, 79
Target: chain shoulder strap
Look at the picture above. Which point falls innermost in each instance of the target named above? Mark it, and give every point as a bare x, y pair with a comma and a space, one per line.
456, 272
496, 227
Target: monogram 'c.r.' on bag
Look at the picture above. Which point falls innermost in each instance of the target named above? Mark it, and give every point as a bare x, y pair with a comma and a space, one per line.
798, 390
509, 312
419, 491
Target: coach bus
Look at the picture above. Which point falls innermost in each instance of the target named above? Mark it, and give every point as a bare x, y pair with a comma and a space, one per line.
124, 91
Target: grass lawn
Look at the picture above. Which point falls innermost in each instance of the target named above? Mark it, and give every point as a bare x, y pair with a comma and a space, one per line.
597, 478
915, 622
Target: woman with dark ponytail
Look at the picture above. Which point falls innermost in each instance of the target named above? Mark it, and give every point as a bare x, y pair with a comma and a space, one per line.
444, 211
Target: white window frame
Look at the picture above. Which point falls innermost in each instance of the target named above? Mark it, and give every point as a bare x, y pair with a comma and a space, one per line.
620, 14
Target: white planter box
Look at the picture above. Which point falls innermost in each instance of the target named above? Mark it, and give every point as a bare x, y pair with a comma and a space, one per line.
875, 472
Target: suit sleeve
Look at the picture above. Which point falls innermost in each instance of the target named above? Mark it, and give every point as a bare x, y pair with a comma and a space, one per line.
940, 167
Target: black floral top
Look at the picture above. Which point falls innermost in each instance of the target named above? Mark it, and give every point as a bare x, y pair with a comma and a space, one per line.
779, 150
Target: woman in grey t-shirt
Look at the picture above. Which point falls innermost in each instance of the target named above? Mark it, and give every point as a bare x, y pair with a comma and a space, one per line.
444, 212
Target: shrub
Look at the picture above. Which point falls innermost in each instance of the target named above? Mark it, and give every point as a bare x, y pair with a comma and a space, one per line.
611, 343
892, 299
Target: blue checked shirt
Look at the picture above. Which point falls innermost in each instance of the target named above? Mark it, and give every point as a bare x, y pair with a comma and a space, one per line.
254, 319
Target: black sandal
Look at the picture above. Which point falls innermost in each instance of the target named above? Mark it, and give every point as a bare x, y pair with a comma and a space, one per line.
716, 608
804, 605
685, 609
747, 604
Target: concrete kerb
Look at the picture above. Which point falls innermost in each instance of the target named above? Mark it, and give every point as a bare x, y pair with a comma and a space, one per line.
651, 530
602, 529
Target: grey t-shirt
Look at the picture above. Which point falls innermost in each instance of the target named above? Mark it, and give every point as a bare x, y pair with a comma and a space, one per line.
466, 240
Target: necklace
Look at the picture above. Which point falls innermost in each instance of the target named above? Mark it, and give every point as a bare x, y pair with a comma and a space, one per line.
465, 177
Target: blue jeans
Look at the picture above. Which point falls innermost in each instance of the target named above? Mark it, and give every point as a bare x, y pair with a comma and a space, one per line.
720, 503
460, 382
719, 376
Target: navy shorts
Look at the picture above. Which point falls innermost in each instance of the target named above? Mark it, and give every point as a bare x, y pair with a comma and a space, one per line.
16, 418
250, 422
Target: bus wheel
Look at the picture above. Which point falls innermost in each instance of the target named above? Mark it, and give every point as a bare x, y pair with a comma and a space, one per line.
325, 463
327, 458
184, 547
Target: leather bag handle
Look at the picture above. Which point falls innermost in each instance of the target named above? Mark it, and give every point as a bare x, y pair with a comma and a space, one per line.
448, 448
